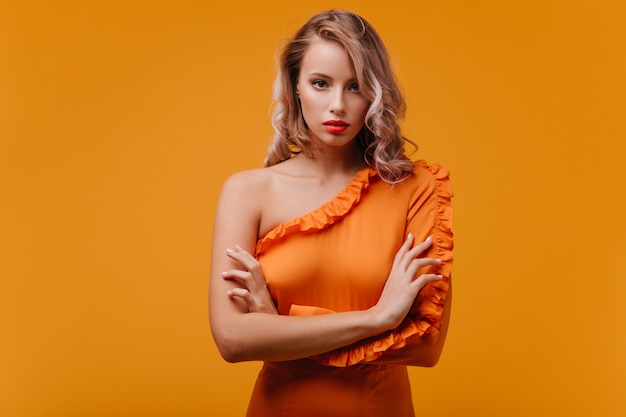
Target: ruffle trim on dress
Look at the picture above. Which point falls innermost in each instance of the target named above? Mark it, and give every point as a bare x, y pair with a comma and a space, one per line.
425, 315
322, 217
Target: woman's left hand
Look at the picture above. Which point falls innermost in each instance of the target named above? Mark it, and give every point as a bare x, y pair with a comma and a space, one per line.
253, 291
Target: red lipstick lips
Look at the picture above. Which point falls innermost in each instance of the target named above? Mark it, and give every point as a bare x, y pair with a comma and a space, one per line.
336, 126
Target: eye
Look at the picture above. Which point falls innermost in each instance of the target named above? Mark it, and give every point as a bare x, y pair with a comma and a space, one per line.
354, 87
319, 83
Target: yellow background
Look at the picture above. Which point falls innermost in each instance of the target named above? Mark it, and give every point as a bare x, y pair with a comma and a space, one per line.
120, 120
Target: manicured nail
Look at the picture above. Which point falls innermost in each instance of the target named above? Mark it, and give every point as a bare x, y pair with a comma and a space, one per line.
224, 273
229, 250
238, 247
410, 236
428, 239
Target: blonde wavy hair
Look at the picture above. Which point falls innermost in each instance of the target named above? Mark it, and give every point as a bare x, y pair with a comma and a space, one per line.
380, 138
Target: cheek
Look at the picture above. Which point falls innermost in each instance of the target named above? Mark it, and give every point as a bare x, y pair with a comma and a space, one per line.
308, 103
307, 98
363, 107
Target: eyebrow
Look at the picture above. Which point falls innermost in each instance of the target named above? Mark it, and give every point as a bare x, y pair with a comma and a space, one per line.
321, 75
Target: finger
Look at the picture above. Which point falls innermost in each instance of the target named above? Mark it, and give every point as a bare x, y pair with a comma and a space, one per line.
248, 262
418, 263
243, 257
425, 279
414, 252
235, 254
243, 278
246, 257
244, 295
406, 246
421, 247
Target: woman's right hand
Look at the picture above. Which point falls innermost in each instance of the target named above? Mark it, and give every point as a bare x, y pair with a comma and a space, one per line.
402, 286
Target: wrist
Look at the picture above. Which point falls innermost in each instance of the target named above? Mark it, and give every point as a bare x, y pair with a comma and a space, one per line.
379, 321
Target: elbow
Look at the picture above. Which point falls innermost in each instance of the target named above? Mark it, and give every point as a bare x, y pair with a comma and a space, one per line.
429, 361
229, 355
434, 350
227, 340
433, 347
230, 349
430, 352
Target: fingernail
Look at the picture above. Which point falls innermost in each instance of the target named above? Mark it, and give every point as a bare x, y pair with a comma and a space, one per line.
229, 250
440, 276
439, 261
238, 247
410, 236
224, 273
429, 238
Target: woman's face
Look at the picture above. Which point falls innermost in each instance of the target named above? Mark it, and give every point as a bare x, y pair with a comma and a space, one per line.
332, 105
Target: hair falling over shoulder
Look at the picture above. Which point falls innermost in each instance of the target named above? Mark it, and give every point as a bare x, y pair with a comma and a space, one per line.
381, 140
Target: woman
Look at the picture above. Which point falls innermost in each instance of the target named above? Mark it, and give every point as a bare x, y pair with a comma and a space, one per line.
337, 254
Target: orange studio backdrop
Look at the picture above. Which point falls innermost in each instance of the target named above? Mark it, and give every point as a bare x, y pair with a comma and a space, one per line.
120, 120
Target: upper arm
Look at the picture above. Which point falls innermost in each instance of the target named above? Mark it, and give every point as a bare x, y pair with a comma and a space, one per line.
236, 223
430, 214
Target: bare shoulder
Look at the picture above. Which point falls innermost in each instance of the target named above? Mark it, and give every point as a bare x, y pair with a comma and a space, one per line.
241, 197
260, 181
246, 184
240, 210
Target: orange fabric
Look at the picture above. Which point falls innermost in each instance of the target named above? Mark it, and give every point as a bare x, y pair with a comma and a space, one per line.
337, 258
306, 388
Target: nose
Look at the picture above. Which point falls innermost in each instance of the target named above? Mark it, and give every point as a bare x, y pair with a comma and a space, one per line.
338, 103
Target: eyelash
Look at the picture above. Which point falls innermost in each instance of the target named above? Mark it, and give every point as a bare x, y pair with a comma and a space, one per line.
322, 84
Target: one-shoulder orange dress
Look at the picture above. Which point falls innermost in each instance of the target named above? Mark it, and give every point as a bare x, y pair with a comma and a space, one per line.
337, 258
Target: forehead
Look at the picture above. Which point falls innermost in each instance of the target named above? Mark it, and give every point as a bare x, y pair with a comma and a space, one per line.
327, 57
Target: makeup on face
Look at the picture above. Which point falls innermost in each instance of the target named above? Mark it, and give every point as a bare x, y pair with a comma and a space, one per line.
332, 104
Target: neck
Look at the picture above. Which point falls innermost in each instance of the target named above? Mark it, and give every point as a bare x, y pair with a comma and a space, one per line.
330, 161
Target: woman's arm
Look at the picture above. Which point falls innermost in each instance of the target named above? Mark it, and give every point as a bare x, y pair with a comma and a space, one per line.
424, 350
241, 335
430, 214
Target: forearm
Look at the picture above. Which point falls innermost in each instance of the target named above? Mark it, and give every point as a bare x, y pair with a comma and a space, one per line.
425, 350
258, 336
419, 351
242, 334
